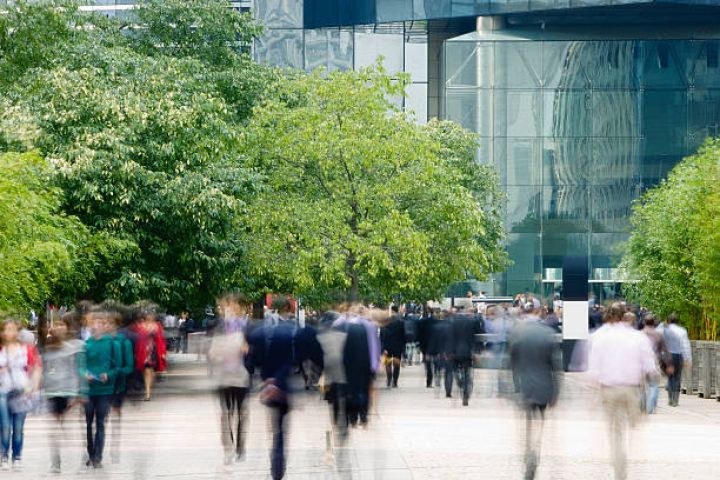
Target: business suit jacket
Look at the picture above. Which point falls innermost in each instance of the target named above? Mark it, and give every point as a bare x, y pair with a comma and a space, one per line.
535, 362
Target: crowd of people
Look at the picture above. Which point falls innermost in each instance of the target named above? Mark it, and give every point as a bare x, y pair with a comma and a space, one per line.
89, 358
93, 355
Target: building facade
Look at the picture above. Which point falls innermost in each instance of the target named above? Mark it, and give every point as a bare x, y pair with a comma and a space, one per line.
580, 104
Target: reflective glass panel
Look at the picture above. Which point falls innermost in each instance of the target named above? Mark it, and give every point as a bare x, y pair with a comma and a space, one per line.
517, 113
370, 46
416, 100
279, 13
283, 48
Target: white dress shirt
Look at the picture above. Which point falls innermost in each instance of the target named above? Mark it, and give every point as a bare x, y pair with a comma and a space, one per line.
620, 356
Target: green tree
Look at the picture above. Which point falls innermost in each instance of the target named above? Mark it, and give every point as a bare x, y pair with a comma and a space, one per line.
144, 133
672, 254
361, 201
44, 254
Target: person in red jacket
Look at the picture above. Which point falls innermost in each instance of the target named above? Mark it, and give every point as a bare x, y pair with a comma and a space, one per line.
150, 349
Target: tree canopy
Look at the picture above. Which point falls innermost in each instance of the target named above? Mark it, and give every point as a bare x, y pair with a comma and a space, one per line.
175, 167
360, 201
44, 254
143, 131
674, 250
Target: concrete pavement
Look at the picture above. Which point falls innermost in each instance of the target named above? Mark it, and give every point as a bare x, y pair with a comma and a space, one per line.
414, 433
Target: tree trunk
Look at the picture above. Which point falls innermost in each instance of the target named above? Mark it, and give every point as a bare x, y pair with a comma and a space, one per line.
353, 293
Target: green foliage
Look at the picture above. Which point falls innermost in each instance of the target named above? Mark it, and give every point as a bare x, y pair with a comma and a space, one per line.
674, 250
362, 200
144, 133
44, 255
205, 29
32, 35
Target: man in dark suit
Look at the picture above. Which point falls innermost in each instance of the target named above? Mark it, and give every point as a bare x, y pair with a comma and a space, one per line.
271, 348
392, 339
536, 367
424, 337
459, 353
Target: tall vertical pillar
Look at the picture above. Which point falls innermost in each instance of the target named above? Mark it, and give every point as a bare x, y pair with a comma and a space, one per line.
575, 309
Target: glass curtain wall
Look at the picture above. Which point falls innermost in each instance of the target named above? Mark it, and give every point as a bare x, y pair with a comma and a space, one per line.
285, 43
577, 130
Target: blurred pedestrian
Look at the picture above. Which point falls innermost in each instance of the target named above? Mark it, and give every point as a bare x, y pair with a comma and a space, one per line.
187, 326
309, 352
117, 320
102, 366
227, 351
424, 336
410, 325
361, 358
275, 357
663, 358
392, 341
20, 376
332, 341
536, 368
678, 345
150, 350
64, 358
620, 359
460, 353
496, 326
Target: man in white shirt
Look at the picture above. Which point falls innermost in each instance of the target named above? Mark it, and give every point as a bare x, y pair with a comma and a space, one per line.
620, 360
678, 345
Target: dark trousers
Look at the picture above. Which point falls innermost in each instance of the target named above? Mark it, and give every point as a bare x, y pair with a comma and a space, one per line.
358, 405
434, 365
673, 384
461, 371
232, 417
337, 397
392, 369
428, 361
96, 410
277, 457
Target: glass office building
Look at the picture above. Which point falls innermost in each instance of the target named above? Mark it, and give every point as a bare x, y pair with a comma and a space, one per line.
580, 104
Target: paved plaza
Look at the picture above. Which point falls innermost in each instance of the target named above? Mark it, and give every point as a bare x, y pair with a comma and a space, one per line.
414, 433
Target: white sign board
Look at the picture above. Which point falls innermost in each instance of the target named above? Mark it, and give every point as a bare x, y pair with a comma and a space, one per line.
575, 320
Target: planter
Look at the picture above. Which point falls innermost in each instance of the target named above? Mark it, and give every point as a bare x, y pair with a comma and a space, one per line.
704, 357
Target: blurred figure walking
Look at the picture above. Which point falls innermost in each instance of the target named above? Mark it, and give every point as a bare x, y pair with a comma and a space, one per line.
116, 328
227, 353
424, 336
678, 344
496, 325
273, 352
392, 341
103, 360
663, 358
332, 341
150, 350
361, 359
536, 368
460, 352
64, 358
309, 352
20, 374
621, 357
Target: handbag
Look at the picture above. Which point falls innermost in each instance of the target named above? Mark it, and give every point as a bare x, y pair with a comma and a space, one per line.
271, 395
19, 402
